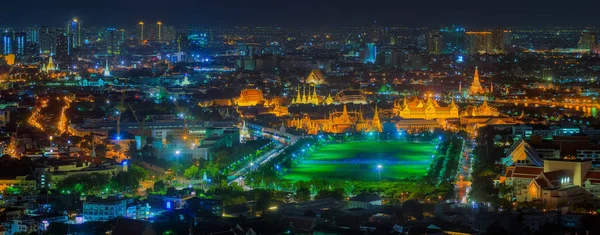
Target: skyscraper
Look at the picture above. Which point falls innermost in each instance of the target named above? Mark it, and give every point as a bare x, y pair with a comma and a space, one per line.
33, 35
113, 41
183, 42
74, 28
20, 39
140, 32
498, 40
435, 43
479, 42
7, 42
507, 38
159, 26
587, 41
454, 39
47, 41
369, 53
63, 47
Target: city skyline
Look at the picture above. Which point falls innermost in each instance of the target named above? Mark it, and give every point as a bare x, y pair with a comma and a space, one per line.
305, 117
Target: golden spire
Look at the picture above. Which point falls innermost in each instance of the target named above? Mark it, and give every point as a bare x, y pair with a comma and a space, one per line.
485, 104
328, 100
376, 122
314, 98
298, 99
476, 85
304, 94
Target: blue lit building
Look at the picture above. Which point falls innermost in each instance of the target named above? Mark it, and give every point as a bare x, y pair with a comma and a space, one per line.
369, 53
20, 39
453, 39
7, 43
74, 28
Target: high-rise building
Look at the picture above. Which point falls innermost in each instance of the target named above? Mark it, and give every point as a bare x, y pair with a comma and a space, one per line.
140, 32
454, 39
507, 38
114, 40
435, 43
33, 35
479, 42
159, 32
74, 28
498, 41
587, 41
47, 41
183, 42
369, 53
20, 39
64, 43
7, 43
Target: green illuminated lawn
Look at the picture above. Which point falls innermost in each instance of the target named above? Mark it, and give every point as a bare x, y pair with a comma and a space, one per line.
357, 161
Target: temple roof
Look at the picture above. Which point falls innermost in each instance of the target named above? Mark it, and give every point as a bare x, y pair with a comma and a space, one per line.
316, 77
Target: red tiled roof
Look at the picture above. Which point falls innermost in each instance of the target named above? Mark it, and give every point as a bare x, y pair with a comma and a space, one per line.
524, 176
593, 175
528, 170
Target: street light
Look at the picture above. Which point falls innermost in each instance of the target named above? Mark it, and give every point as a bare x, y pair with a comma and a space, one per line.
379, 170
379, 167
177, 159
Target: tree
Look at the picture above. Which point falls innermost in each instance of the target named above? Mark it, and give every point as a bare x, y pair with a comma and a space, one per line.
302, 195
159, 186
237, 200
132, 151
90, 183
130, 180
192, 172
263, 198
220, 156
337, 194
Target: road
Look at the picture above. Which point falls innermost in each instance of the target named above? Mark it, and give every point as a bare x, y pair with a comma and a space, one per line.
464, 171
279, 148
237, 176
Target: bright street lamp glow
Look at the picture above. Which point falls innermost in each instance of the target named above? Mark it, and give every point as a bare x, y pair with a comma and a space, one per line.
379, 166
177, 152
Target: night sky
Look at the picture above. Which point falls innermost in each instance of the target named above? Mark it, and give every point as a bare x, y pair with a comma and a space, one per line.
308, 12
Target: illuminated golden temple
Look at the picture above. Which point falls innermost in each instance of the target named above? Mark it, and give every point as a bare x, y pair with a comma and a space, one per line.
338, 122
316, 77
250, 97
415, 108
481, 111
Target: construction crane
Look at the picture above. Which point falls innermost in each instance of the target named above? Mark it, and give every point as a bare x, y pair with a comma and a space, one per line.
120, 110
141, 124
186, 130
